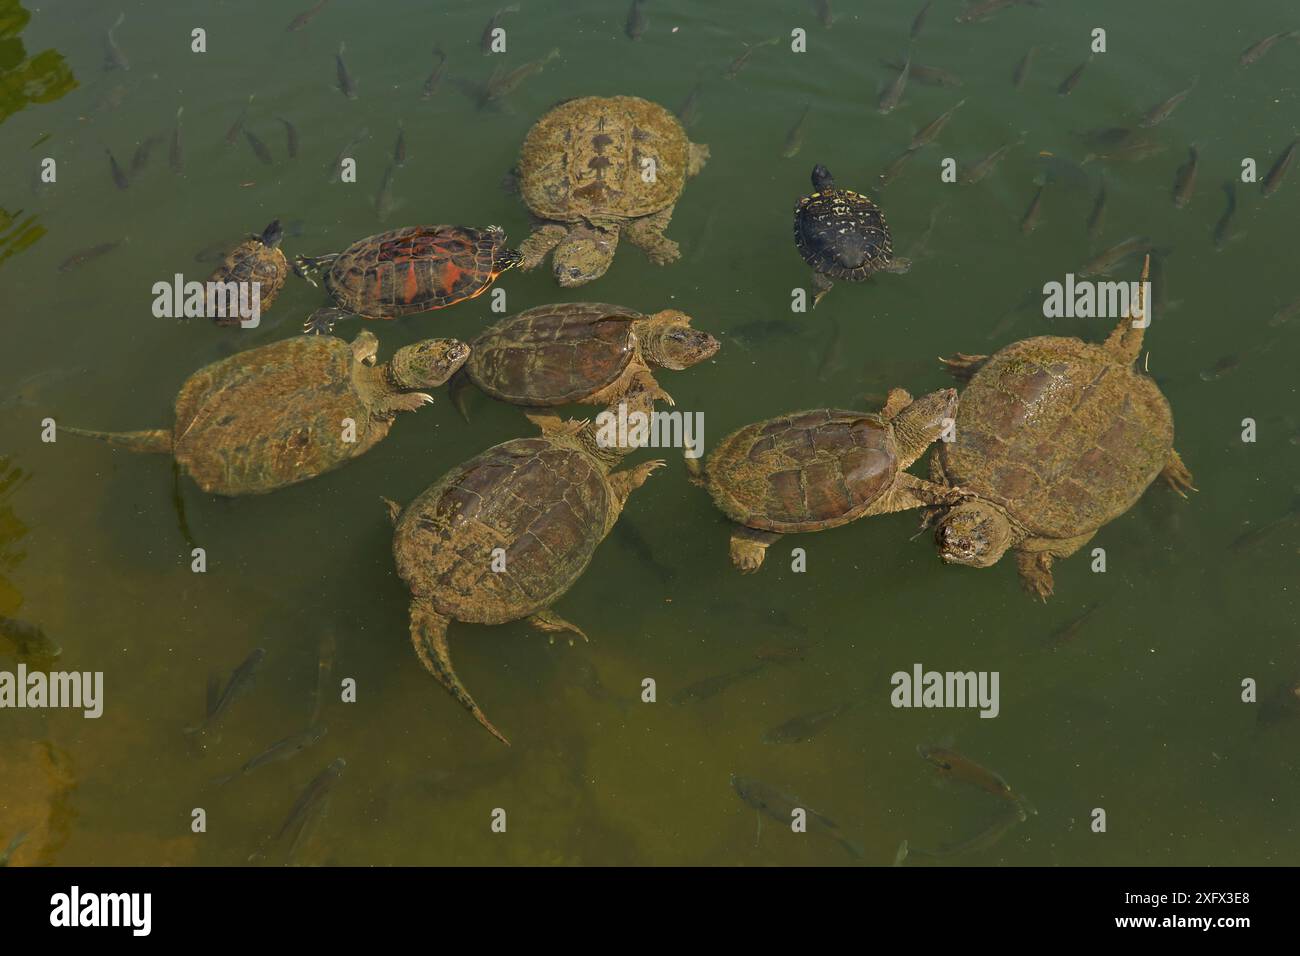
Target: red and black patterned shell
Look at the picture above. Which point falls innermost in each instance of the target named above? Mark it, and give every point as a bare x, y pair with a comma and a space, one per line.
554, 354
804, 471
546, 504
842, 234
1060, 433
416, 269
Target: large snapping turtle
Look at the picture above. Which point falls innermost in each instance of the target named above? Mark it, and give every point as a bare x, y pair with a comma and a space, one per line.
1055, 438
279, 414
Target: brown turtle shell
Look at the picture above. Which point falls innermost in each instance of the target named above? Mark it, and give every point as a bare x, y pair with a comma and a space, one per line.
546, 504
1059, 433
554, 354
253, 261
271, 416
415, 269
804, 471
842, 234
585, 159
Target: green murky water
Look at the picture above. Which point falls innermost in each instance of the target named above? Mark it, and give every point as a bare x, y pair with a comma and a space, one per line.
1139, 713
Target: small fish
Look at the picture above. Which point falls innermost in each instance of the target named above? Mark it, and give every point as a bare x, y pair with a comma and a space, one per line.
1107, 135
1220, 368
500, 85
114, 59
760, 331
399, 148
259, 147
740, 62
1070, 82
986, 165
18, 840
982, 840
631, 538
918, 22
955, 766
336, 168
220, 701
304, 18
1256, 50
783, 653
1068, 631
1285, 314
636, 21
285, 749
1131, 152
324, 669
781, 807
893, 94
927, 75
825, 16
974, 13
1029, 222
304, 808
291, 137
712, 686
1161, 111
119, 177
485, 42
237, 126
1252, 537
926, 134
435, 78
141, 158
384, 197
1104, 262
794, 138
689, 111
1097, 218
891, 171
85, 255
176, 156
1274, 178
1185, 180
1223, 228
28, 640
805, 727
1021, 72
346, 86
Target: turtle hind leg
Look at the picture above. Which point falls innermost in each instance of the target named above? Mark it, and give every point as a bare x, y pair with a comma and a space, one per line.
306, 267
647, 234
154, 441
821, 285
749, 547
321, 322
550, 622
1036, 573
962, 366
1175, 473
429, 638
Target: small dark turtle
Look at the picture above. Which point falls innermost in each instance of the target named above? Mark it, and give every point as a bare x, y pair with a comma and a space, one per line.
819, 469
842, 235
285, 412
256, 259
585, 352
504, 536
416, 269
1055, 438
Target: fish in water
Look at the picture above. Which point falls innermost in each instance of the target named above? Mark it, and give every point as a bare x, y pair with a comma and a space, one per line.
435, 78
336, 168
783, 653
1162, 111
305, 808
740, 62
1068, 631
1285, 314
176, 156
291, 137
1252, 537
631, 538
986, 165
1097, 217
825, 16
324, 669
220, 700
306, 17
1070, 82
503, 84
85, 255
794, 138
1256, 50
346, 86
18, 840
927, 133
893, 94
1185, 180
927, 75
485, 42
805, 727
1029, 222
1223, 228
636, 21
1130, 152
27, 640
1021, 72
384, 197
1220, 368
761, 331
114, 59
237, 126
285, 749
918, 22
258, 147
141, 158
976, 12
982, 840
119, 177
890, 172
399, 148
1104, 262
780, 807
1274, 178
689, 111
712, 686
954, 766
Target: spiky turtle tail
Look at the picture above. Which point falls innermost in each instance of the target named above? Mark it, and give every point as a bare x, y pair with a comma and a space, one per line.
155, 441
429, 637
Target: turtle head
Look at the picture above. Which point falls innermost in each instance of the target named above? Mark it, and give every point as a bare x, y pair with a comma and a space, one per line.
974, 533
583, 254
668, 341
272, 234
822, 179
428, 363
920, 422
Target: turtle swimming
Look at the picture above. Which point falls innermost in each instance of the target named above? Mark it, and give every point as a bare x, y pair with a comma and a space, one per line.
289, 411
597, 168
586, 352
404, 271
257, 259
843, 235
1055, 438
539, 506
823, 468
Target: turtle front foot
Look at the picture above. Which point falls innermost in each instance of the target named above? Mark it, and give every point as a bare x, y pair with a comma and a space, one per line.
411, 401
1036, 574
749, 548
552, 623
1177, 476
318, 326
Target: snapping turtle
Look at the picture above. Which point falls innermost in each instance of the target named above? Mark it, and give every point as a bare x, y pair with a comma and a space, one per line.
580, 352
842, 235
285, 412
823, 468
598, 166
403, 271
256, 259
1055, 438
504, 536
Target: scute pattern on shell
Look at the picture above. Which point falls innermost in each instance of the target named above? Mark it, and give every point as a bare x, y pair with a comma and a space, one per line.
251, 261
583, 160
842, 234
270, 416
804, 471
413, 270
545, 504
1060, 433
554, 354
